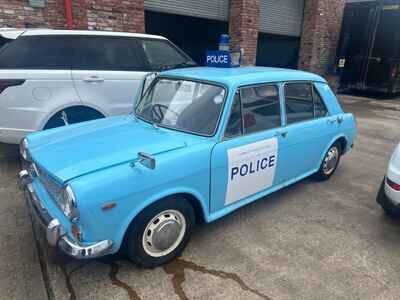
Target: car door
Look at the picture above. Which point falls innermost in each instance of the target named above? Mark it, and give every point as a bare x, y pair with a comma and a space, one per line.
308, 130
245, 162
107, 71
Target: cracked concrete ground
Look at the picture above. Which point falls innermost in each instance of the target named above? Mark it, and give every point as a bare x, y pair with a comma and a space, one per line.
312, 240
20, 273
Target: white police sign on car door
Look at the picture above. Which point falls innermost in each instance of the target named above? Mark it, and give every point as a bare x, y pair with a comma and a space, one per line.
251, 169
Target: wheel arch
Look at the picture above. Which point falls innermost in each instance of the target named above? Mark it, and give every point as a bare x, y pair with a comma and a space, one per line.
69, 106
192, 197
343, 143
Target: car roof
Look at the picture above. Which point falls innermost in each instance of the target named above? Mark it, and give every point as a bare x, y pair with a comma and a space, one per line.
89, 32
241, 76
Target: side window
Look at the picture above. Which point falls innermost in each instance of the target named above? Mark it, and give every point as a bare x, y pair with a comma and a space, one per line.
161, 54
261, 108
234, 126
107, 53
320, 110
37, 52
299, 102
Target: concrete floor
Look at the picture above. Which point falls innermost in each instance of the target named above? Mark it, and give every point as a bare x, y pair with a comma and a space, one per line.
313, 240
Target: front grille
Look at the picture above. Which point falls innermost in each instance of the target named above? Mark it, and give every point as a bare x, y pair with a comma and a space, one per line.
52, 188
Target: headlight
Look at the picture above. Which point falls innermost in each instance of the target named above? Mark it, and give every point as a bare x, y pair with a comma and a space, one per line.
68, 203
23, 150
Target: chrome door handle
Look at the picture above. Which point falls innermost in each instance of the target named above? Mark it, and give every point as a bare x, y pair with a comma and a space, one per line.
332, 121
93, 79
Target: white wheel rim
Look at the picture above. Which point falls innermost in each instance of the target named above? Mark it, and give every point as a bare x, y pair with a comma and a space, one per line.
330, 161
164, 233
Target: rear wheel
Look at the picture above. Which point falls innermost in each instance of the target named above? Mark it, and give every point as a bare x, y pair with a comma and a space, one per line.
329, 163
160, 232
72, 115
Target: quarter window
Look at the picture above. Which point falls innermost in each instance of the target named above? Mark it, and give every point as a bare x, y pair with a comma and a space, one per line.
161, 54
320, 110
260, 108
299, 102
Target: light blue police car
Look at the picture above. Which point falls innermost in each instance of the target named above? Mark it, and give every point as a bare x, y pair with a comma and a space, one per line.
201, 143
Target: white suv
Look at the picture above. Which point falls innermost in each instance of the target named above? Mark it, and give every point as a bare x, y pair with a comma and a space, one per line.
389, 193
50, 78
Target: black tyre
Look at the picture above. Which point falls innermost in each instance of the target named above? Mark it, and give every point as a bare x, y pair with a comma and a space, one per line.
160, 232
329, 163
388, 207
72, 115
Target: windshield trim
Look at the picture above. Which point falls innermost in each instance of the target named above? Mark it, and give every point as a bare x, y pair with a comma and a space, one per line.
221, 85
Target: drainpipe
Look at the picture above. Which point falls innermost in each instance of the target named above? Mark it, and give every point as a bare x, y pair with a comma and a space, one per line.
68, 13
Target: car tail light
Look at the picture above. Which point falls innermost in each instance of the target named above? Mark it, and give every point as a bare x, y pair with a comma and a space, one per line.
5, 83
393, 185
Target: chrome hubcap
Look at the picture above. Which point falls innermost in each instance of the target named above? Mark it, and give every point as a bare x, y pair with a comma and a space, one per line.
164, 233
330, 160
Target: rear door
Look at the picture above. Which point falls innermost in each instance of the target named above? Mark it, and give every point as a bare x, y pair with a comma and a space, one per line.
107, 71
309, 130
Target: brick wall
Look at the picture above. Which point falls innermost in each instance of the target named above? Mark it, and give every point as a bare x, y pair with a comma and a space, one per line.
321, 29
244, 18
117, 15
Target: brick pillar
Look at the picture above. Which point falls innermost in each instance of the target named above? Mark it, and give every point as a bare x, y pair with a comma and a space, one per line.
319, 40
116, 15
244, 18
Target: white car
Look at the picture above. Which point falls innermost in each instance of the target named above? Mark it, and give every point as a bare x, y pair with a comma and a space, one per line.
50, 78
389, 193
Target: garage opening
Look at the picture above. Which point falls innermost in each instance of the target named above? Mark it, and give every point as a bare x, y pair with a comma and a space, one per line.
281, 23
277, 51
192, 34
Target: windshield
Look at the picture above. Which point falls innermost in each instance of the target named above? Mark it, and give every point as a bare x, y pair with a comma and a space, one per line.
183, 105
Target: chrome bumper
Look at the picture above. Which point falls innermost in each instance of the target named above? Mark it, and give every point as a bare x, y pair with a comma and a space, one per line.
56, 234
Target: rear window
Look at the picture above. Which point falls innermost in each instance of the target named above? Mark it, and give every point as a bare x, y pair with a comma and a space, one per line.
37, 52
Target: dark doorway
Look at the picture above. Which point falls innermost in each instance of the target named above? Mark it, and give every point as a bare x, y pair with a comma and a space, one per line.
193, 35
277, 51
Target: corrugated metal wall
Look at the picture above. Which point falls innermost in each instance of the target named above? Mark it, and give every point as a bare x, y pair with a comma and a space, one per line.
209, 9
284, 17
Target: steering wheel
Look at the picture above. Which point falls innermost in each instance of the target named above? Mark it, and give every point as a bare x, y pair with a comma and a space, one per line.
159, 111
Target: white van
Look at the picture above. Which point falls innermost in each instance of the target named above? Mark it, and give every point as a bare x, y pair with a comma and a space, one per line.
50, 78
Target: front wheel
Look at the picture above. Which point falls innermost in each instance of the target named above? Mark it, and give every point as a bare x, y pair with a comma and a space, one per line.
160, 232
329, 163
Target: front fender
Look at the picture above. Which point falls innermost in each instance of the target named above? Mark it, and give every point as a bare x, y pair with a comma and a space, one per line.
154, 198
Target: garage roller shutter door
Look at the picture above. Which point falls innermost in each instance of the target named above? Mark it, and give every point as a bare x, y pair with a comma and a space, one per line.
209, 9
284, 17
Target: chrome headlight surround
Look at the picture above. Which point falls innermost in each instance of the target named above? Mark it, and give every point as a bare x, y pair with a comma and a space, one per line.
24, 151
68, 204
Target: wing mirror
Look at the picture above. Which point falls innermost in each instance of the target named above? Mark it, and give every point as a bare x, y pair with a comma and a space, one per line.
146, 160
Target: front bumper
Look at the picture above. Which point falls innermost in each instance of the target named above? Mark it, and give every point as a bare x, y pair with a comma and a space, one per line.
56, 234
